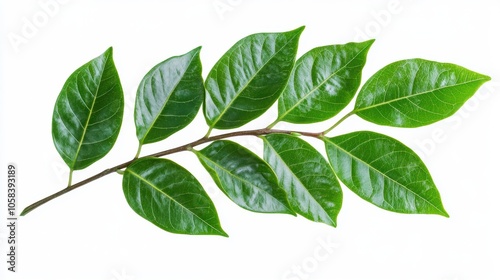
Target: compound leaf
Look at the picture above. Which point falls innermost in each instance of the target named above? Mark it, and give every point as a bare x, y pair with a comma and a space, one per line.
323, 83
88, 112
244, 177
416, 92
249, 78
312, 188
169, 97
167, 195
385, 172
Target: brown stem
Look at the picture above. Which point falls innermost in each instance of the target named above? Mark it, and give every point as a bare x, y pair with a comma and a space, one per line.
256, 132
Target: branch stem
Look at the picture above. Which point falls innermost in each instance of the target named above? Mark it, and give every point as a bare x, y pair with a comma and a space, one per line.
203, 140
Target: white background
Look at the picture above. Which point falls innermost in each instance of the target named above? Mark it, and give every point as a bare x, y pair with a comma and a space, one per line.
91, 233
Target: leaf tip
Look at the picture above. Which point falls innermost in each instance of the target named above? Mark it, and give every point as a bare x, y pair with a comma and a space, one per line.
370, 42
197, 49
366, 45
109, 51
444, 213
300, 29
288, 208
483, 78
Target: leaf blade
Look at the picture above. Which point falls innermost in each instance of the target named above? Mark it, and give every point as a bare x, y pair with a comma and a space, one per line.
416, 92
323, 82
88, 112
312, 188
384, 172
169, 97
245, 178
249, 78
167, 195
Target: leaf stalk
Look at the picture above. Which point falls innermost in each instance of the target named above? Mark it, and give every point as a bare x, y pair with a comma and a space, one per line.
338, 122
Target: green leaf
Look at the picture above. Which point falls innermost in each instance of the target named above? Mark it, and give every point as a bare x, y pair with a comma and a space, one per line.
313, 190
249, 78
88, 112
167, 195
244, 177
323, 82
416, 92
169, 97
385, 172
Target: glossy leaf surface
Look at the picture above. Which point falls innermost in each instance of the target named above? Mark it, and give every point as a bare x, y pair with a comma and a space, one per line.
312, 188
416, 92
244, 177
88, 112
169, 97
249, 78
385, 172
323, 82
168, 196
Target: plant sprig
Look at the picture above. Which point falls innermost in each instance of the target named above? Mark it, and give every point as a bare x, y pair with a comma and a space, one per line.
291, 177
